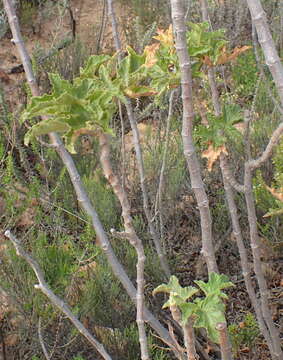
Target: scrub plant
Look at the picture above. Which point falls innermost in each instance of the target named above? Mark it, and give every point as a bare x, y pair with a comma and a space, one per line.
244, 334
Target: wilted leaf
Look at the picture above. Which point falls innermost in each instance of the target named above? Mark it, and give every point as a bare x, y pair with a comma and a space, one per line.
273, 213
165, 36
213, 154
150, 53
88, 267
27, 218
206, 60
278, 194
226, 56
11, 340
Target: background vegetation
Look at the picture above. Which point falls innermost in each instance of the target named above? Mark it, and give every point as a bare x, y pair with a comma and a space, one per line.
38, 203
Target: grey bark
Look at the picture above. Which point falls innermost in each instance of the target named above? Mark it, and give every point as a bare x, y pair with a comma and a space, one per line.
268, 46
187, 129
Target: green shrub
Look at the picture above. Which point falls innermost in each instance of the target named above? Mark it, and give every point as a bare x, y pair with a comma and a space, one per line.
244, 334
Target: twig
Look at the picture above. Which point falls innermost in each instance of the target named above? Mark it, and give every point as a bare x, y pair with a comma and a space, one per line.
158, 203
256, 163
40, 337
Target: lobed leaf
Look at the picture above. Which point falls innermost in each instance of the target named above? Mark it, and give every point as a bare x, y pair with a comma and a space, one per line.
215, 284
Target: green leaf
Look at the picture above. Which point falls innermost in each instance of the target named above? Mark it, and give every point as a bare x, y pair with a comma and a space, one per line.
124, 70
220, 128
45, 127
131, 68
187, 310
37, 104
178, 294
203, 42
232, 114
59, 85
137, 91
209, 312
93, 64
136, 60
215, 284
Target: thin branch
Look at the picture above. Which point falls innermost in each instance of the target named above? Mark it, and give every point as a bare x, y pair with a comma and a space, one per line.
256, 163
228, 174
130, 233
262, 73
254, 239
54, 299
244, 256
139, 156
158, 203
40, 337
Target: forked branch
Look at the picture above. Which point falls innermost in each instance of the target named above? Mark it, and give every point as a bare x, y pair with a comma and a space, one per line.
131, 235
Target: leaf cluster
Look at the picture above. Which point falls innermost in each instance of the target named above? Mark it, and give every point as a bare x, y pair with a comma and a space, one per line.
206, 311
87, 104
220, 128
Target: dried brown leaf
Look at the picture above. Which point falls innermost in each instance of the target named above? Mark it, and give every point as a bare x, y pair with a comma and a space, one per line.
277, 193
226, 56
165, 36
213, 154
150, 52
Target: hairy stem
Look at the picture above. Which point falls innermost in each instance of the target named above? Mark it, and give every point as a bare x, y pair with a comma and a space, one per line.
252, 218
188, 333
